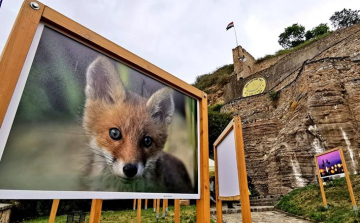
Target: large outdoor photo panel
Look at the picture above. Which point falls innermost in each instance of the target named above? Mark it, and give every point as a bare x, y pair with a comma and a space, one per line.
330, 164
228, 178
83, 125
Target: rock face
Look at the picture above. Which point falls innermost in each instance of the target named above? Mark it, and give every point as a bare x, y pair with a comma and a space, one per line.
318, 109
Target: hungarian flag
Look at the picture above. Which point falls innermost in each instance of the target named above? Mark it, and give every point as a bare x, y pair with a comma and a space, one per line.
231, 24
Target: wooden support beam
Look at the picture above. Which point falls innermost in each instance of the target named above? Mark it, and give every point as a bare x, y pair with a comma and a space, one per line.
157, 209
134, 205
53, 211
146, 203
139, 211
243, 182
219, 217
163, 210
321, 184
203, 204
177, 211
348, 181
95, 212
166, 205
154, 205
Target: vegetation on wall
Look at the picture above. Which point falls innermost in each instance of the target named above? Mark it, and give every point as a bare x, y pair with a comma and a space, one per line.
274, 95
295, 34
217, 79
217, 123
286, 51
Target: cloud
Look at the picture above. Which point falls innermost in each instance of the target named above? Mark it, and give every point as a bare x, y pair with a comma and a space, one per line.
188, 38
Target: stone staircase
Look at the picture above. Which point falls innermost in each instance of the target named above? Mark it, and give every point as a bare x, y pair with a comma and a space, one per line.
268, 200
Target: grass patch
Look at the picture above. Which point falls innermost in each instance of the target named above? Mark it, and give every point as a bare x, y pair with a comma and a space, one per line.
187, 214
286, 51
307, 202
219, 78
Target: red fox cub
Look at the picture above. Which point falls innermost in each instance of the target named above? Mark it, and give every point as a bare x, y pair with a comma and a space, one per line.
127, 134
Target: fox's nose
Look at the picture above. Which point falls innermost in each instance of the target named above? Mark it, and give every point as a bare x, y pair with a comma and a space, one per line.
130, 170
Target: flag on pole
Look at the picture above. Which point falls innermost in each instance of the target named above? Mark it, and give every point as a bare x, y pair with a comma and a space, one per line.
231, 24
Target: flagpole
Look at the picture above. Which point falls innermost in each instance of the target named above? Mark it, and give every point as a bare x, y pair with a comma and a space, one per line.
236, 37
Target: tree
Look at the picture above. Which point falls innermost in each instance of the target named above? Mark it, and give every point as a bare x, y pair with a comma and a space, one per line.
217, 123
319, 30
309, 35
292, 36
345, 18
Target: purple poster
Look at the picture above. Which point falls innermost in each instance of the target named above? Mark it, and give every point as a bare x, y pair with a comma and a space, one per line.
330, 164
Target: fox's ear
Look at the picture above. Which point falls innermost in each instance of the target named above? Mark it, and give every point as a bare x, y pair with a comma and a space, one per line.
161, 106
103, 81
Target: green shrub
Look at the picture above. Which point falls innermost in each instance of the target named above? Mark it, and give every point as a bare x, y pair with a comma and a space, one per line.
274, 95
217, 123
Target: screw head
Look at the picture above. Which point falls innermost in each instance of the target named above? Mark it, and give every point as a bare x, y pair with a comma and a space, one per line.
34, 5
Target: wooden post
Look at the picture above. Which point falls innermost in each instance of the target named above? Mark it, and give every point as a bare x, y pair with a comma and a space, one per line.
157, 209
134, 205
177, 211
139, 211
146, 202
203, 204
95, 212
348, 181
219, 217
154, 205
164, 206
243, 182
321, 184
54, 209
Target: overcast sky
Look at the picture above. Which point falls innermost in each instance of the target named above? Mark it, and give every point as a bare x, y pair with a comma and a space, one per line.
187, 38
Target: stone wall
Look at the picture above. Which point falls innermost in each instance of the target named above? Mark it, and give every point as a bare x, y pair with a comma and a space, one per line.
258, 66
318, 109
340, 43
243, 62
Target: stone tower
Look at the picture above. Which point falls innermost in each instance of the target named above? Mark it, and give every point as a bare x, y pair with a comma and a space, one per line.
243, 62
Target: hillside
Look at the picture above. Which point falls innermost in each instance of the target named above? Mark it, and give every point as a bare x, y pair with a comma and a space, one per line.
214, 82
307, 202
220, 84
317, 108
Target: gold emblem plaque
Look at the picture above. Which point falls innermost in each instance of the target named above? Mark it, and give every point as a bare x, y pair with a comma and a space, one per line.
254, 86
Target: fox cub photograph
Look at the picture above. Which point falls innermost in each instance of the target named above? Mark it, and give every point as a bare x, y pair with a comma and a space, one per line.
86, 122
127, 136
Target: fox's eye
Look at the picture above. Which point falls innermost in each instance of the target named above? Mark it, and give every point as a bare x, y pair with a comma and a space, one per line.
147, 141
115, 134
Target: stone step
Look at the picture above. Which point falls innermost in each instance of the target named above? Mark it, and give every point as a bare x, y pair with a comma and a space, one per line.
237, 209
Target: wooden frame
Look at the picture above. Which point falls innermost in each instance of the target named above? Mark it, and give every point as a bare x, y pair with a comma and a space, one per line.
15, 52
235, 125
347, 176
